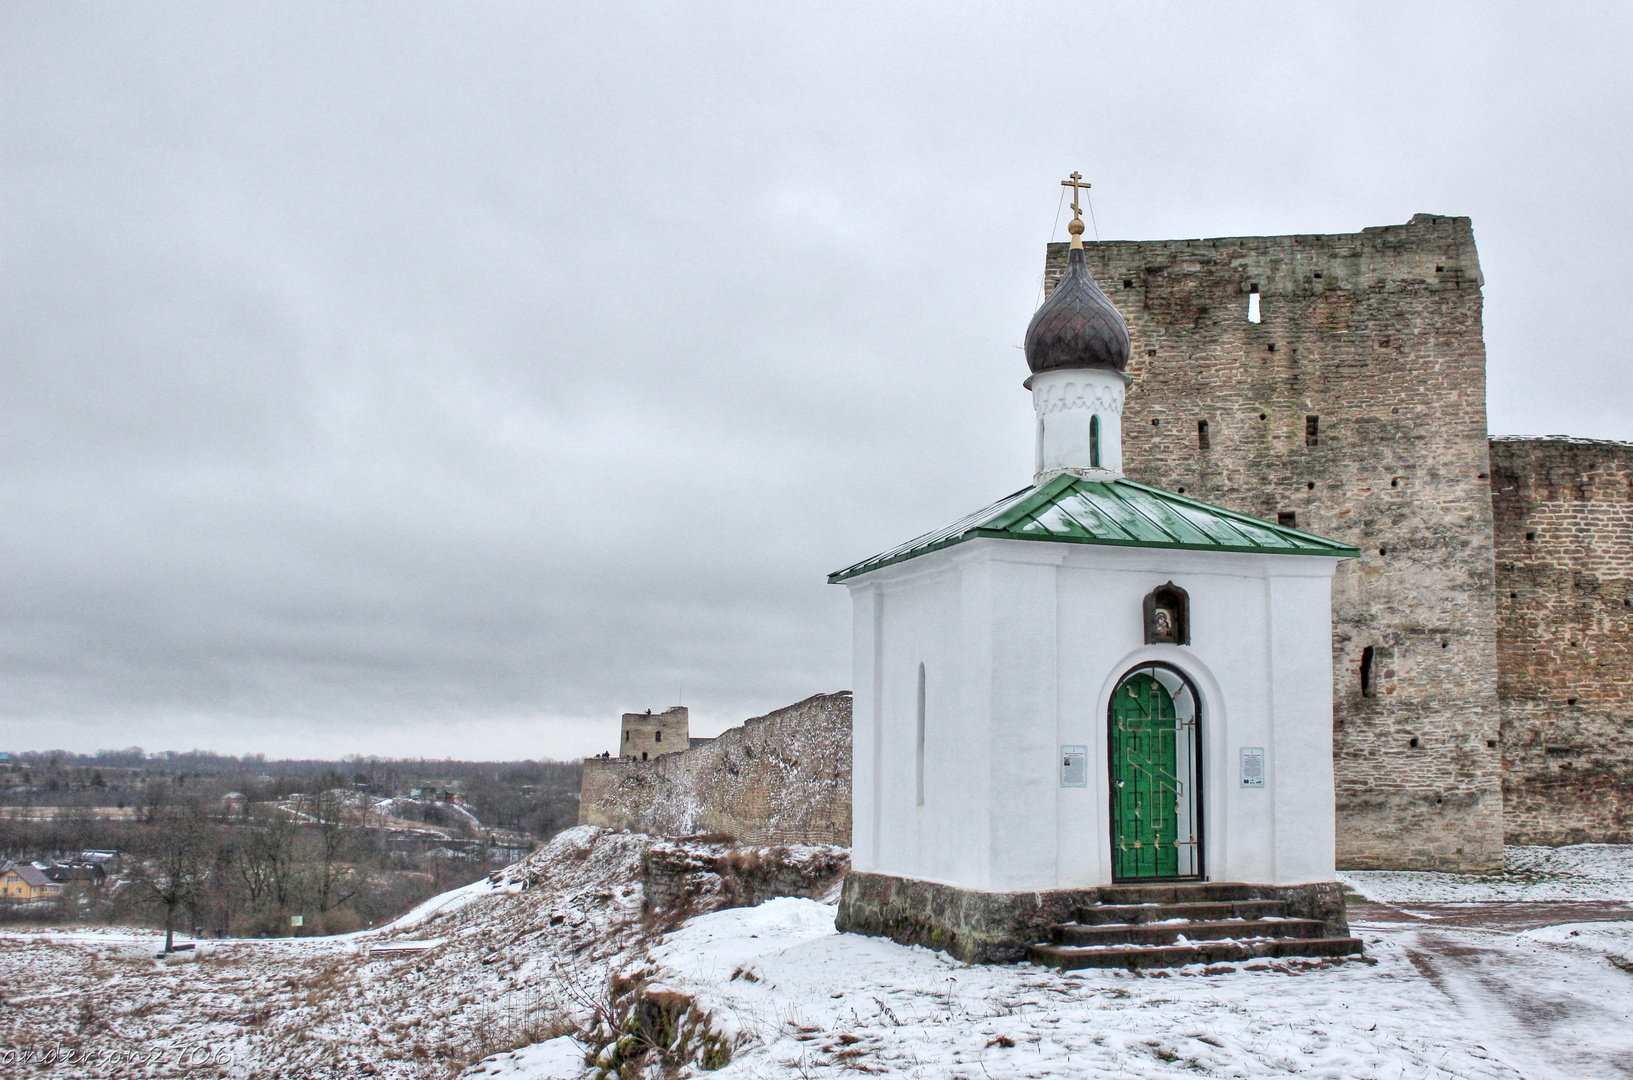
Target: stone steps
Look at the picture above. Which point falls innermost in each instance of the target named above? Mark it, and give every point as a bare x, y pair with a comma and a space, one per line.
1162, 933
1199, 911
1138, 957
1180, 892
1160, 926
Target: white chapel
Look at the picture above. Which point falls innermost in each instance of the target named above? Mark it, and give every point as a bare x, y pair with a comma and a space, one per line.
1089, 685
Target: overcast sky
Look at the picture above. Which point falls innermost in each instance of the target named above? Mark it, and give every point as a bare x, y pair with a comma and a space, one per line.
445, 379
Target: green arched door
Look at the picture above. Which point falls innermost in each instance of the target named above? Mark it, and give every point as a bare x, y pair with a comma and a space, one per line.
1155, 812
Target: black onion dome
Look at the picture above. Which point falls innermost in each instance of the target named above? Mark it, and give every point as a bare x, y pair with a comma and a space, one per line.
1077, 327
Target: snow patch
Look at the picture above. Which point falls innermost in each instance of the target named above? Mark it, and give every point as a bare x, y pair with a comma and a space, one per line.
1529, 874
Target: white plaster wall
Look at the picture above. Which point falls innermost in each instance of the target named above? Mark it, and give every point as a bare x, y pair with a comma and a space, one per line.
1022, 644
917, 617
867, 612
1305, 841
1020, 733
1064, 402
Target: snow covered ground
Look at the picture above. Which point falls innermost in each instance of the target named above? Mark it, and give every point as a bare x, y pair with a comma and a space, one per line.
1511, 975
1529, 874
814, 1003
1438, 999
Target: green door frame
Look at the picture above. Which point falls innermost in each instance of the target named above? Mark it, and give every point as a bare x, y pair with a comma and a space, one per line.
1146, 788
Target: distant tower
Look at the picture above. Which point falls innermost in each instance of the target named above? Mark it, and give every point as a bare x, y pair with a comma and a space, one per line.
645, 735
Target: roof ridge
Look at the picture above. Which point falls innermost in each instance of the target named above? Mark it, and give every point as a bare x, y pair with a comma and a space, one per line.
1085, 514
1007, 517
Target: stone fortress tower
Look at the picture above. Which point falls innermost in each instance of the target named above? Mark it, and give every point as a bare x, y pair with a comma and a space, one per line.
647, 735
1336, 384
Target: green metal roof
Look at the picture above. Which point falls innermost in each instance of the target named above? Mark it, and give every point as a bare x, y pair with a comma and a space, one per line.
1068, 509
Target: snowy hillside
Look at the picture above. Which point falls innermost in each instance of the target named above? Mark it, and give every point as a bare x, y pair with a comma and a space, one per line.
497, 979
508, 963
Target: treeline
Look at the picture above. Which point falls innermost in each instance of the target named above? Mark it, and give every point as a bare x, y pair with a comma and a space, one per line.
535, 797
184, 866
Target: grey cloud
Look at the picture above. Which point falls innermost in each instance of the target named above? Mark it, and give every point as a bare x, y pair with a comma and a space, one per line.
406, 378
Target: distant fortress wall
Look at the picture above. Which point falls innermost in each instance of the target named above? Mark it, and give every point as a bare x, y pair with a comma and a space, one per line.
1564, 539
782, 778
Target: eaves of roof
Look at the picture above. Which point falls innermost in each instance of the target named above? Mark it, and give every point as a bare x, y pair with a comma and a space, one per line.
1070, 509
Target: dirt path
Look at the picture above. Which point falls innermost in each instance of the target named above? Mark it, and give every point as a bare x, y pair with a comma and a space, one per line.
1548, 1010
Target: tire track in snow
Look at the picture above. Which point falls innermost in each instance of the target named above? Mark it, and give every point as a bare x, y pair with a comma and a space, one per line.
1549, 1012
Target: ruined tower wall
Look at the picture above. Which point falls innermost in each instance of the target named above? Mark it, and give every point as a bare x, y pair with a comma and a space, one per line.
1356, 404
1564, 548
649, 734
782, 778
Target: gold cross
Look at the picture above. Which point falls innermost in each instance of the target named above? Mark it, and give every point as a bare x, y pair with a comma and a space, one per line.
1076, 183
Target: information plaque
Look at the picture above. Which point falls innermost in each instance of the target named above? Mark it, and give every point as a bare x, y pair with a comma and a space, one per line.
1253, 766
1074, 766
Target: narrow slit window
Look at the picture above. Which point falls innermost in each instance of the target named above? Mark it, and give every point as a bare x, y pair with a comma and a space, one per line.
1312, 430
1201, 434
1366, 671
919, 753
1253, 303
1094, 442
657, 736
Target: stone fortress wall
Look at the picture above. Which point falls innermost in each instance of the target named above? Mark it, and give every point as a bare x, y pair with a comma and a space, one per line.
782, 778
1564, 542
1354, 407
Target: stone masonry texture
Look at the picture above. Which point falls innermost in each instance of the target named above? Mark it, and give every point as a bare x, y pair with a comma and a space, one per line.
1354, 409
1564, 540
782, 778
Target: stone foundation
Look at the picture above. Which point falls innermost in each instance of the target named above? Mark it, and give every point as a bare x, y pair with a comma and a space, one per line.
997, 928
689, 876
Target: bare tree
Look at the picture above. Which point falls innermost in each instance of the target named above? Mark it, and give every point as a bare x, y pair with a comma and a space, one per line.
267, 858
337, 880
183, 845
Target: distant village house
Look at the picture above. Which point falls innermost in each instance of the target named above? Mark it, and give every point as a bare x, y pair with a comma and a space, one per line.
25, 881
